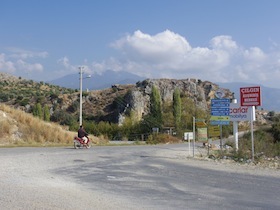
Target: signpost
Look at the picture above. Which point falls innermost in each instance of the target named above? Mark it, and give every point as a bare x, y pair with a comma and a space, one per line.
251, 96
189, 136
213, 131
240, 113
202, 134
220, 109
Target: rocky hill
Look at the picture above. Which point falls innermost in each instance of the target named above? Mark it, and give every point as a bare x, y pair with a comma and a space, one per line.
109, 104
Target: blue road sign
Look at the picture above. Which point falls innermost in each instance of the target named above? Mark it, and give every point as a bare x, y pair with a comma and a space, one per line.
219, 122
220, 107
219, 101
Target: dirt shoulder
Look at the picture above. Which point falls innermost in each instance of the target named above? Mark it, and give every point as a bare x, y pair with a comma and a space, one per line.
266, 167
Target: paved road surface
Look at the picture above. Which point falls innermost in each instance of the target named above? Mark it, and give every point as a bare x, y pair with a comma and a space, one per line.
129, 177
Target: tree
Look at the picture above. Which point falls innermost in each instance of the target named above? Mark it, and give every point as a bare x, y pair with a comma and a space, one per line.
155, 106
177, 108
46, 113
37, 111
167, 114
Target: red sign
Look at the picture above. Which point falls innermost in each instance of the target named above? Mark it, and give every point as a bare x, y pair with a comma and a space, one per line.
250, 96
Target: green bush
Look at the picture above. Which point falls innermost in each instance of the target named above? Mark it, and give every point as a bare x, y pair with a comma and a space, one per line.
24, 102
63, 118
4, 97
275, 131
263, 143
226, 131
73, 107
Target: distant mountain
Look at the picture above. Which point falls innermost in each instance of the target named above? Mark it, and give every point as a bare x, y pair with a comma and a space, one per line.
270, 96
97, 81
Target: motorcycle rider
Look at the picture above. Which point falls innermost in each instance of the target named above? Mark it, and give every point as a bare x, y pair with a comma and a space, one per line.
83, 134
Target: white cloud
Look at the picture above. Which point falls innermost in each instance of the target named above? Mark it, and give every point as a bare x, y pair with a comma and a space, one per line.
25, 54
65, 62
223, 42
163, 47
5, 65
254, 54
28, 68
15, 61
168, 54
70, 68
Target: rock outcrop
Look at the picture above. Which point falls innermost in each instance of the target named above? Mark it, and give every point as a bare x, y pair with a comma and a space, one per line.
198, 91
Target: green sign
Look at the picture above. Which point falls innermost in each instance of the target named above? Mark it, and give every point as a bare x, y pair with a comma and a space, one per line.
202, 134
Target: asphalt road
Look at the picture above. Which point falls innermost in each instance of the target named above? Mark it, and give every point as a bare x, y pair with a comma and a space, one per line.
128, 177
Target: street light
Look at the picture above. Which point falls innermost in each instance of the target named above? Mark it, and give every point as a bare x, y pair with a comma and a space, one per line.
81, 93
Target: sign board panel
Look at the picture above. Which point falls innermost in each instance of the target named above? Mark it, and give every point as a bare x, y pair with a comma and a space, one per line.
188, 136
214, 131
220, 107
219, 122
155, 130
219, 94
223, 118
200, 124
250, 96
220, 102
202, 134
240, 113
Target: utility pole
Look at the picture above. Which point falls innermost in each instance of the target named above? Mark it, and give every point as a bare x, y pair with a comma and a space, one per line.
81, 95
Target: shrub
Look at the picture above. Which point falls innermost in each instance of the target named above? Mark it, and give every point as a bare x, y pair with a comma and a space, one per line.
4, 97
275, 131
263, 143
73, 107
63, 118
24, 102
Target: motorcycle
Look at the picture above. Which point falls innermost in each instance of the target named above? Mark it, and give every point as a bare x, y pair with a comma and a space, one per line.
80, 143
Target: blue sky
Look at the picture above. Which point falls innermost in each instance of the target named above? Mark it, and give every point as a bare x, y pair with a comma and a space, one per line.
215, 40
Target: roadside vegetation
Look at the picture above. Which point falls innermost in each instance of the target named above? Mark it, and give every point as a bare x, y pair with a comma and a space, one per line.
46, 122
18, 128
266, 144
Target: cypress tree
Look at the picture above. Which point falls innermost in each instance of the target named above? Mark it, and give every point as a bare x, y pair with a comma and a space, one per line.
177, 108
37, 111
155, 106
46, 113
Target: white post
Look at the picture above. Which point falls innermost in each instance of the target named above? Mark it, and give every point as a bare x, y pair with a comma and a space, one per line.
81, 95
221, 137
252, 132
235, 128
193, 134
189, 145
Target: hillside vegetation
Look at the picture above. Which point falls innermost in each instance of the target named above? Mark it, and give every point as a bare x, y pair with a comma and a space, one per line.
18, 128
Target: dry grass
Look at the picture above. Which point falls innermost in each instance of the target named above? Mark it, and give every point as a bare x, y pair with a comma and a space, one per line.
20, 128
162, 139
